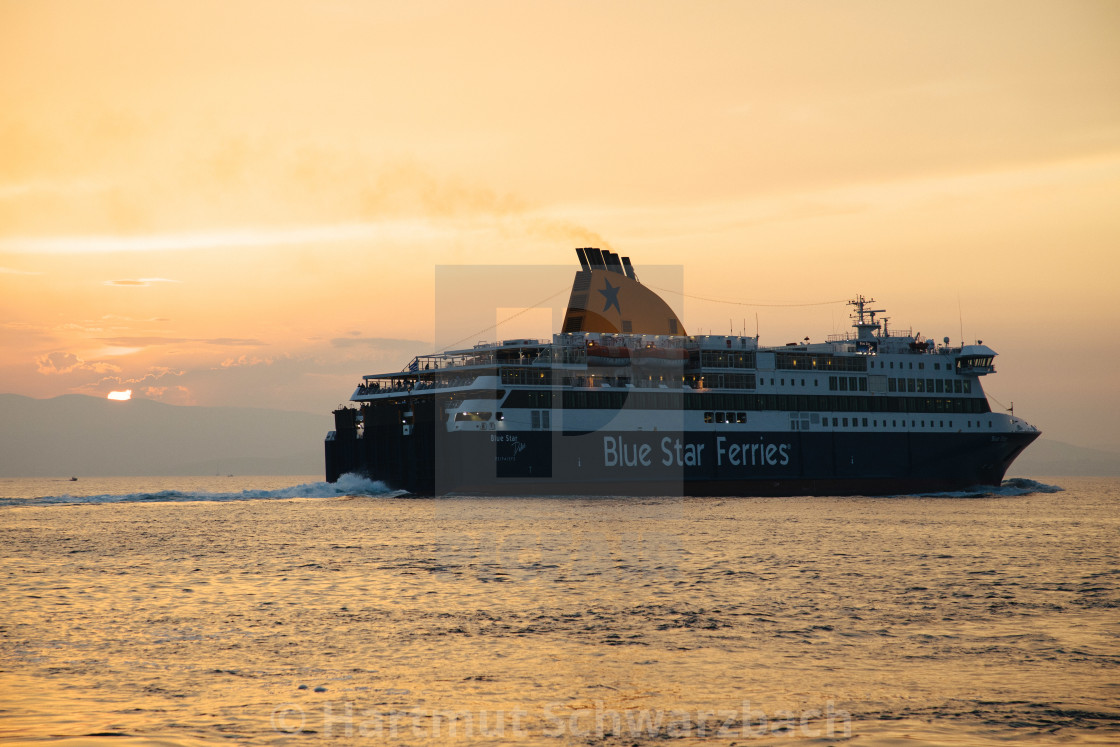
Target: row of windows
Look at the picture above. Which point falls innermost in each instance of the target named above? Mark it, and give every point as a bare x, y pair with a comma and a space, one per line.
974, 361
525, 376
542, 418
472, 417
802, 362
910, 365
720, 381
931, 386
810, 362
838, 422
675, 400
913, 386
725, 417
530, 398
728, 359
648, 381
847, 383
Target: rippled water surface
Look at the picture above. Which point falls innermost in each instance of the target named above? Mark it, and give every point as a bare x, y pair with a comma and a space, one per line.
205, 611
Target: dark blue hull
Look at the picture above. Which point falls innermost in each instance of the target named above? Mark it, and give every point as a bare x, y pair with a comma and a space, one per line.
728, 463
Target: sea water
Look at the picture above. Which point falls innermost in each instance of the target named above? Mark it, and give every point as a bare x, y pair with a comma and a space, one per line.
206, 611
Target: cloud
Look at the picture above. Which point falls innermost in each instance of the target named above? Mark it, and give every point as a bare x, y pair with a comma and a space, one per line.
246, 360
141, 342
387, 230
120, 318
142, 282
316, 197
391, 343
173, 395
57, 363
64, 363
153, 375
144, 342
232, 341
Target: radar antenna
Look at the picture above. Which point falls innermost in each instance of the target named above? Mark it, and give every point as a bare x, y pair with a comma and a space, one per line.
864, 317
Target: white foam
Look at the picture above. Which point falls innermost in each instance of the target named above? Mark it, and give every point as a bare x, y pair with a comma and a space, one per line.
1016, 486
347, 485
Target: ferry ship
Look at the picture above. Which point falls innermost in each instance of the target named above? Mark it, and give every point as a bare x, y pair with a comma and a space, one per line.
623, 401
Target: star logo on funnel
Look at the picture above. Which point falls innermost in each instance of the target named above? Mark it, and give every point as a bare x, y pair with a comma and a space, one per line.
610, 296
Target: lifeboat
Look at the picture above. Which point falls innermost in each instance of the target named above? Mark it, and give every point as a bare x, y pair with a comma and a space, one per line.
659, 356
603, 355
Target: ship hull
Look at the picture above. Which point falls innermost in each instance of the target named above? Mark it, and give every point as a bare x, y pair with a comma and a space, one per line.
708, 463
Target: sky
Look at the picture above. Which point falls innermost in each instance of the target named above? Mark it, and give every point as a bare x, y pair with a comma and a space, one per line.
254, 203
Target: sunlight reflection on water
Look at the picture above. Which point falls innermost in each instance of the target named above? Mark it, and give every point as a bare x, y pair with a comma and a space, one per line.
553, 621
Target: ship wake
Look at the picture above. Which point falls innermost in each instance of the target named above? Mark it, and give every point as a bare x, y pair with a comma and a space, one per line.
1011, 488
348, 485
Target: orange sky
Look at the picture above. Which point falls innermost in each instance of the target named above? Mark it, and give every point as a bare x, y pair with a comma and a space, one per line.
246, 203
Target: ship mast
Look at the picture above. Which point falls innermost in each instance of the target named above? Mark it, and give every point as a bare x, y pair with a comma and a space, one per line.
865, 323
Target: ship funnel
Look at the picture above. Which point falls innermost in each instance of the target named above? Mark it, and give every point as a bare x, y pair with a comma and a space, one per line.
582, 258
594, 258
610, 259
607, 298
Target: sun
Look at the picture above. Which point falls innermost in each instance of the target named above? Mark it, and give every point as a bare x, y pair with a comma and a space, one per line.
122, 396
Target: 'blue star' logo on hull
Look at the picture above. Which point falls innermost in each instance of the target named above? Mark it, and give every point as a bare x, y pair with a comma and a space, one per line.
610, 295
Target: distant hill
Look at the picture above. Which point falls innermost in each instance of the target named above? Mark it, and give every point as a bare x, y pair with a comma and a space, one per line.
1046, 457
89, 436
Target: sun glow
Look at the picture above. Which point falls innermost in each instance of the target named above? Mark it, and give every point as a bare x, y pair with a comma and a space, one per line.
122, 396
